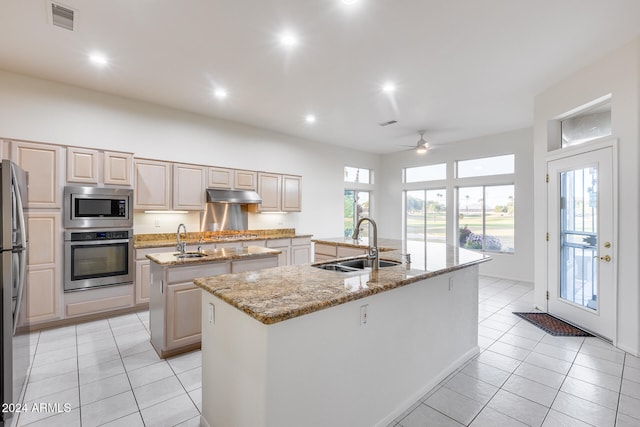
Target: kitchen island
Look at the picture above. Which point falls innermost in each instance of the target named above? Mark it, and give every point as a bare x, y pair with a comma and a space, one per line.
299, 345
174, 306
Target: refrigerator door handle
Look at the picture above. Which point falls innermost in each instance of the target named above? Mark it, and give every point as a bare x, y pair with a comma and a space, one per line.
22, 277
19, 208
22, 252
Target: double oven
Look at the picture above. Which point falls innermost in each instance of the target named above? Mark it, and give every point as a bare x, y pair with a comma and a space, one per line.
98, 237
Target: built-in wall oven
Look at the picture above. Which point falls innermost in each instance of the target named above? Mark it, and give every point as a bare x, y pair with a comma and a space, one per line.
95, 258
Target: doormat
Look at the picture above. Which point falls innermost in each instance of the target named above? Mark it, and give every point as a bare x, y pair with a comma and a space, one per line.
552, 325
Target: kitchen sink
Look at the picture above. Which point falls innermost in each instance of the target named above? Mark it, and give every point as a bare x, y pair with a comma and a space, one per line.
190, 255
354, 265
364, 263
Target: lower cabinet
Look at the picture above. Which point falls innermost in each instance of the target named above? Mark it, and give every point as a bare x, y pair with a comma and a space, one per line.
143, 281
175, 312
42, 298
183, 315
300, 250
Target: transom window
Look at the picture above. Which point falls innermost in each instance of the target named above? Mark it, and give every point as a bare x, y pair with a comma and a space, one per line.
497, 165
425, 173
359, 175
586, 126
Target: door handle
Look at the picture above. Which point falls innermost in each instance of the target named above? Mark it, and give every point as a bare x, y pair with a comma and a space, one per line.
605, 258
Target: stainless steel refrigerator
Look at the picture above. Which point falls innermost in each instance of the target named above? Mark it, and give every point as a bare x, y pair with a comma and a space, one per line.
13, 239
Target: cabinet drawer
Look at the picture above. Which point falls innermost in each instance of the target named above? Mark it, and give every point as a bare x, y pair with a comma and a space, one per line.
328, 250
299, 241
346, 251
97, 306
141, 254
278, 243
187, 274
254, 264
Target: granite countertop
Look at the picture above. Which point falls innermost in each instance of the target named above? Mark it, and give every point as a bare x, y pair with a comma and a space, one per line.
217, 255
276, 294
161, 240
384, 245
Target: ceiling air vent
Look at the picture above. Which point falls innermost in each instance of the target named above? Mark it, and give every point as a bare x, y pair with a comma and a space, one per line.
62, 16
390, 122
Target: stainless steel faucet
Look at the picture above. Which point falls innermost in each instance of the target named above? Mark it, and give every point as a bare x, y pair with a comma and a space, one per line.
180, 245
373, 245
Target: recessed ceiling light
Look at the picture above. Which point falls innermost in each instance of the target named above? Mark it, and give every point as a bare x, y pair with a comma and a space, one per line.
98, 59
388, 87
288, 39
310, 118
349, 1
220, 93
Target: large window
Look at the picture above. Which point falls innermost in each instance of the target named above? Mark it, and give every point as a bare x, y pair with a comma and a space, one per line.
356, 206
486, 218
425, 220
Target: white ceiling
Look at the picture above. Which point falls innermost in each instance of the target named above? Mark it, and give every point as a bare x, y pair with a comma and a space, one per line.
462, 68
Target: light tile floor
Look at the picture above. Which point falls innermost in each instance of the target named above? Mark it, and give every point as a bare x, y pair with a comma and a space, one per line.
108, 373
526, 377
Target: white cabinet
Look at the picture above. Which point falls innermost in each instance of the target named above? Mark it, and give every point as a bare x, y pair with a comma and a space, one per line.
118, 168
143, 281
347, 251
86, 166
291, 193
175, 306
43, 287
325, 252
188, 187
300, 250
166, 186
270, 190
152, 185
282, 245
232, 179
279, 193
43, 162
246, 180
143, 272
220, 178
82, 165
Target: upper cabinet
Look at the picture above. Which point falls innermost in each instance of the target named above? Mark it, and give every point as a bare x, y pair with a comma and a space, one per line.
118, 168
152, 185
86, 166
270, 189
43, 162
279, 193
246, 180
232, 179
82, 165
167, 186
291, 193
188, 187
220, 178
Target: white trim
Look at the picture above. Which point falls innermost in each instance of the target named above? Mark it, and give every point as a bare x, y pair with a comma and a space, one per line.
574, 150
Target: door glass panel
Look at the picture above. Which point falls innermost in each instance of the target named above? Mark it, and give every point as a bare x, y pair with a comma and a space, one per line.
579, 237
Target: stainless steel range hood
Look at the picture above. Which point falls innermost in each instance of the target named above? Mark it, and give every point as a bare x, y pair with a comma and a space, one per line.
232, 196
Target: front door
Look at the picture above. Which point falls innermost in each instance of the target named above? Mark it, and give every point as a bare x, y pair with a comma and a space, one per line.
581, 268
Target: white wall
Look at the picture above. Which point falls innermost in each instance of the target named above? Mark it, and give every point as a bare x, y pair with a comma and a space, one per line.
44, 111
617, 74
518, 266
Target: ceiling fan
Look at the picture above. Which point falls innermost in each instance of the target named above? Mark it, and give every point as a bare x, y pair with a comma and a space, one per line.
422, 146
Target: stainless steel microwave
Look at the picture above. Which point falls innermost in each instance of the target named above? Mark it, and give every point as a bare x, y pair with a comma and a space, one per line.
98, 207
